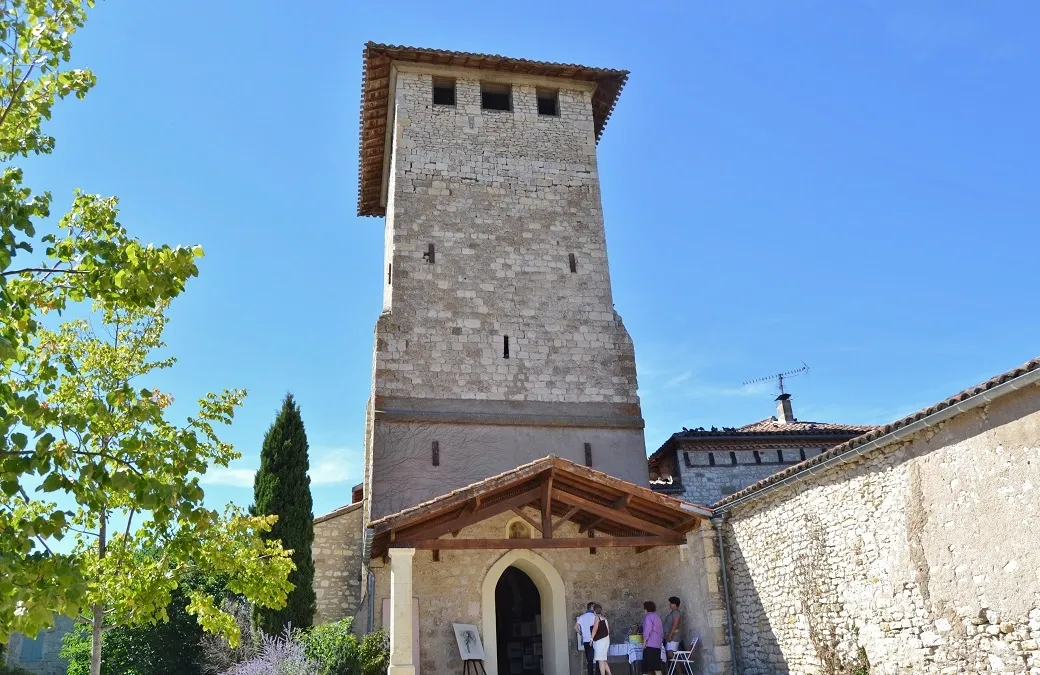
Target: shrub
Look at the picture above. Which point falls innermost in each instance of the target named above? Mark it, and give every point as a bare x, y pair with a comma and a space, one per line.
339, 652
281, 654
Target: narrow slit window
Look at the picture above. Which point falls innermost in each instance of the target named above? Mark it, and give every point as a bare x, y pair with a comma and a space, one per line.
505, 346
733, 458
389, 274
686, 458
431, 255
758, 457
494, 96
436, 453
711, 459
444, 91
588, 454
548, 102
780, 456
802, 453
573, 262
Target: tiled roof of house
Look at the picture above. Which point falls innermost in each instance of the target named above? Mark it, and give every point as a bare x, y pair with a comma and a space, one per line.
375, 97
880, 432
764, 430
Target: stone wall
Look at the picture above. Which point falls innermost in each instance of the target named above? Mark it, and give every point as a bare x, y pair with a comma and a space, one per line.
505, 198
337, 552
449, 590
50, 661
707, 483
919, 558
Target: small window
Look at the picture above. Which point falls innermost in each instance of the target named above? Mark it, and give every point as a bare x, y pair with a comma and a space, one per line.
588, 454
548, 102
444, 91
495, 96
389, 274
573, 262
436, 453
505, 346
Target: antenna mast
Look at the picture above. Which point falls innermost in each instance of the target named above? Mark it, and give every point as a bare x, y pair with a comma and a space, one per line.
779, 377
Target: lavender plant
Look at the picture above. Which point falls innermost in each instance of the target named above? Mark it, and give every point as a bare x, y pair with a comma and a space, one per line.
282, 654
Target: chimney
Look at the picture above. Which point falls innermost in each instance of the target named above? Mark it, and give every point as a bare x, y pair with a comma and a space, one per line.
357, 493
784, 414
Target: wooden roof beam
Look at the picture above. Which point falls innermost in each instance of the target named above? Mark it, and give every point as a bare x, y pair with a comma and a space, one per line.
475, 516
613, 515
568, 542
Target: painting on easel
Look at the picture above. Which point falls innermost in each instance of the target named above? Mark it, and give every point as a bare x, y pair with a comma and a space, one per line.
468, 637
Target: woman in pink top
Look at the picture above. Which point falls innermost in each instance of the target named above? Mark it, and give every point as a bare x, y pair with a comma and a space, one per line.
653, 634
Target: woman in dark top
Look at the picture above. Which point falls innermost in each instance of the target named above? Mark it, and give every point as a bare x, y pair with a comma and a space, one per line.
601, 640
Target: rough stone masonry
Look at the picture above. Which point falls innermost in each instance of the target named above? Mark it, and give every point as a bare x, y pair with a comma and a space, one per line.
922, 558
498, 343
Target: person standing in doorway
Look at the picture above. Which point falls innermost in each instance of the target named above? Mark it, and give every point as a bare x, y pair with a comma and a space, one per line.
583, 626
653, 636
672, 626
601, 640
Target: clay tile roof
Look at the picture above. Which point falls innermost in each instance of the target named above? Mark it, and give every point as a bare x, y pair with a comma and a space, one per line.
880, 432
375, 96
771, 426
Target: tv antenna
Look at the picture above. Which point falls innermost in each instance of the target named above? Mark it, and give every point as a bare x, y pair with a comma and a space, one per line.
779, 377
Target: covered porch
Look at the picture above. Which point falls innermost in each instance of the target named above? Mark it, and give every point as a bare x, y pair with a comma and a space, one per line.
519, 554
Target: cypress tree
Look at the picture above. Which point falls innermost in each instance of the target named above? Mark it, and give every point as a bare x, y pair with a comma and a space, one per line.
282, 487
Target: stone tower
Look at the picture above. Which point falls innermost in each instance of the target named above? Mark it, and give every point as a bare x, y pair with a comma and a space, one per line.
498, 343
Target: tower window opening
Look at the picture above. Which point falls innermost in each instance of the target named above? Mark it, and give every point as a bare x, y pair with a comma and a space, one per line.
780, 456
389, 274
494, 96
548, 101
758, 457
801, 453
711, 459
588, 454
733, 458
505, 346
430, 255
436, 453
573, 262
444, 91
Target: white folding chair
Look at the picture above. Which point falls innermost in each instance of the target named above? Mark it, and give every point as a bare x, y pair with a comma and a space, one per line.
683, 658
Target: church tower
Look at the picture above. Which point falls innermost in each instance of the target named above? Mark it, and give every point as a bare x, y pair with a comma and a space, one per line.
498, 343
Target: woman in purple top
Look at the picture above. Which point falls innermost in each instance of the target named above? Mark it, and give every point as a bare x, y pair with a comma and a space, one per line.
653, 634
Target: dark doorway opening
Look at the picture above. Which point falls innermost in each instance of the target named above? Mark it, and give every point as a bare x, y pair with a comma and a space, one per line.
518, 609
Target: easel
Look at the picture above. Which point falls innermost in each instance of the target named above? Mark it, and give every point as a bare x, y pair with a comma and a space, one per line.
474, 664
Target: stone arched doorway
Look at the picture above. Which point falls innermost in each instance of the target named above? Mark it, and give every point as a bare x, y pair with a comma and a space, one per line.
553, 609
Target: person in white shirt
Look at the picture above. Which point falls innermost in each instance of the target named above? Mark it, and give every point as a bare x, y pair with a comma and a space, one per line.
583, 626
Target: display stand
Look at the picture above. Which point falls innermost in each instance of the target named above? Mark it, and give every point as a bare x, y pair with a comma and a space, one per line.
470, 667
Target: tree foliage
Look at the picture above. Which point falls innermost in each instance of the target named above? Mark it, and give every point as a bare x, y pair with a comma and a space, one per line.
170, 647
75, 423
282, 488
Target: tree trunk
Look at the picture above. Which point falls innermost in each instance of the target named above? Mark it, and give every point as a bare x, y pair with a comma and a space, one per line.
97, 626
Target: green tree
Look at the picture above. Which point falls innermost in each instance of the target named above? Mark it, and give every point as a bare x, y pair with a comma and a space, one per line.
73, 423
171, 647
282, 488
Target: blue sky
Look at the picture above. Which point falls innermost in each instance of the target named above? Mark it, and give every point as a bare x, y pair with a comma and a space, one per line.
853, 185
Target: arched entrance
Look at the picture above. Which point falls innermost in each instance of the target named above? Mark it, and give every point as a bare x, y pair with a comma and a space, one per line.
518, 609
552, 605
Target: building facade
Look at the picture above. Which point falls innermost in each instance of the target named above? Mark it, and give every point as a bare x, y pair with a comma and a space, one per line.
705, 465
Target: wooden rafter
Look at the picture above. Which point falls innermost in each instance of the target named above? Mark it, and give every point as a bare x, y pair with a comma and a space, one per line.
567, 516
566, 542
530, 521
473, 518
547, 490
